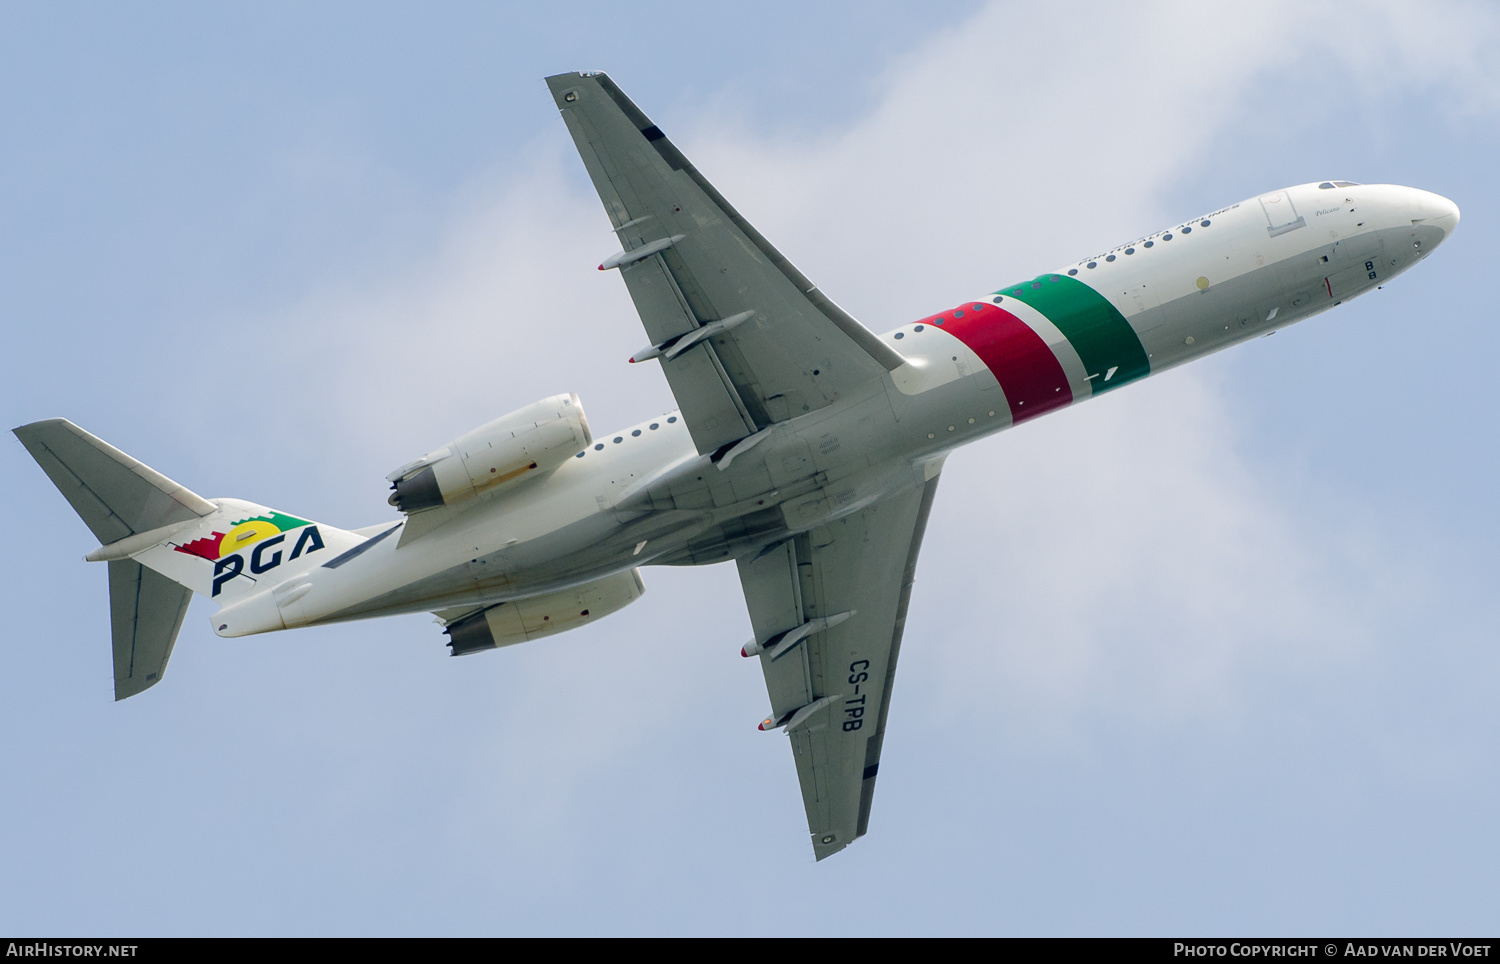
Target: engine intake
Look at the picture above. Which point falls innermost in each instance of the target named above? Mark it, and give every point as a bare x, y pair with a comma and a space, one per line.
530, 441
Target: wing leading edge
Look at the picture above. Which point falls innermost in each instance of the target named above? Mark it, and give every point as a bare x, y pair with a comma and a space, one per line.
778, 347
851, 580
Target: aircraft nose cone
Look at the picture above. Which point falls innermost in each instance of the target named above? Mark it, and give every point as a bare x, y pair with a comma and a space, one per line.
1440, 211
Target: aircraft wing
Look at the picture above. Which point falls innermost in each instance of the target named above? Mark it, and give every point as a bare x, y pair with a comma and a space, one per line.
845, 586
745, 338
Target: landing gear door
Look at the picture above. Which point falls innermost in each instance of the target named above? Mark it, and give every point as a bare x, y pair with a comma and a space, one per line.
1281, 215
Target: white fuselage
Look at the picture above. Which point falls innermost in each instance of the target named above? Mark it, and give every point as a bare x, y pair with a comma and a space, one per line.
644, 495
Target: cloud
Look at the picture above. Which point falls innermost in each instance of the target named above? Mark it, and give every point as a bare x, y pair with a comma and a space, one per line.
1135, 556
1137, 561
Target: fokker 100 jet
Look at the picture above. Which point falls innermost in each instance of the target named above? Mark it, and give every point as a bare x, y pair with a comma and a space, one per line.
806, 448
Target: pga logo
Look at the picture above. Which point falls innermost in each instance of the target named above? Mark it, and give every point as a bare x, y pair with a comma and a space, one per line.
265, 556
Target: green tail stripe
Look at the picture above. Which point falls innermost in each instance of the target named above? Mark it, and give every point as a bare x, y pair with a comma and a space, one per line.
1102, 337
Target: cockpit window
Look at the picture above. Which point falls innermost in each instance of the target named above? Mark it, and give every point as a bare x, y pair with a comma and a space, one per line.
1330, 185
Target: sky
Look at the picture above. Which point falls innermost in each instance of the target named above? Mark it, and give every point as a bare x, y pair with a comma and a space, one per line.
1213, 655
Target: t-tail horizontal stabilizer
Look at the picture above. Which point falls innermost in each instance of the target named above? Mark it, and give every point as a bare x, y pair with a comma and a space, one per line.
129, 507
163, 543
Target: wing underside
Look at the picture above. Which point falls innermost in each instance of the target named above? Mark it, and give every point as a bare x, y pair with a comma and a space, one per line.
746, 341
775, 346
850, 581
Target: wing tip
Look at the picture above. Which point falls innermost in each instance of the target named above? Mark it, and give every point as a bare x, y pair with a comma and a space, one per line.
30, 429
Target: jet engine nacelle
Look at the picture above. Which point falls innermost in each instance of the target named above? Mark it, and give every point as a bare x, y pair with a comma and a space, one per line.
527, 442
554, 612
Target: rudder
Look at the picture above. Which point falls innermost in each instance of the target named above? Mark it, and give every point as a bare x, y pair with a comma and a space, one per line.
164, 542
118, 497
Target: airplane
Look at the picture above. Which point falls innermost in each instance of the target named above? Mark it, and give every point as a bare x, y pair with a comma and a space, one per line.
806, 449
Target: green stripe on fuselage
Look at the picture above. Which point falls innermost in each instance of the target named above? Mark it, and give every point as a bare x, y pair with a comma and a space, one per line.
1102, 337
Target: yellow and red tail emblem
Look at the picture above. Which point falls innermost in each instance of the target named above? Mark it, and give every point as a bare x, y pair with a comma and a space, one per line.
241, 535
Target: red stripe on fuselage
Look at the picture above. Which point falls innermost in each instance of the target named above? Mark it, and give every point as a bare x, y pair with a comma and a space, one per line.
1028, 371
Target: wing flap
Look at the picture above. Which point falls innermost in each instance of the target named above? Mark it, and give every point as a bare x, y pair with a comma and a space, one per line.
718, 413
863, 564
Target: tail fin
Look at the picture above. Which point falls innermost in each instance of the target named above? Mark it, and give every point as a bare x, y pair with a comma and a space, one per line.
164, 542
118, 498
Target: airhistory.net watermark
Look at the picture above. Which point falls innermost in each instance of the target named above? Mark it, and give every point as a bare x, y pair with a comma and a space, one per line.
46, 949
